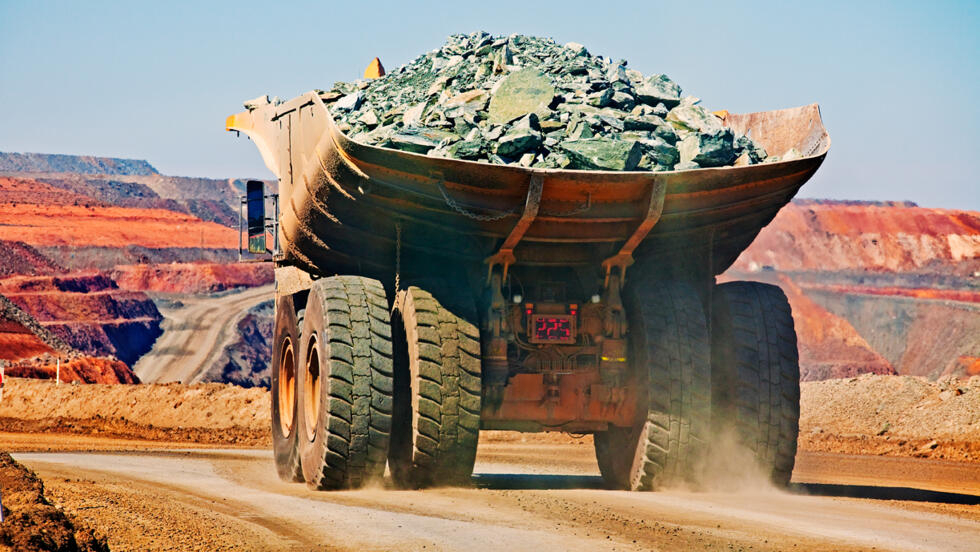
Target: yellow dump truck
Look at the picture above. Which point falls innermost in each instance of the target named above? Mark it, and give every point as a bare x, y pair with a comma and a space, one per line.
421, 300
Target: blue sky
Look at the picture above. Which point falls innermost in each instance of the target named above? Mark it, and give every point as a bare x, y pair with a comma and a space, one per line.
898, 82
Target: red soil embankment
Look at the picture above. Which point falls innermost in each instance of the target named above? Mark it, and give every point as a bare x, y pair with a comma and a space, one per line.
32, 522
19, 258
192, 277
838, 236
964, 296
17, 342
24, 190
80, 369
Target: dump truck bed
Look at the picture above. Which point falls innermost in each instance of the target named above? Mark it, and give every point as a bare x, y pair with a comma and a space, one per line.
347, 205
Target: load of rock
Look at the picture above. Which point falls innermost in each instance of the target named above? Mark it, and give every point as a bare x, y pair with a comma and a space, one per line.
529, 101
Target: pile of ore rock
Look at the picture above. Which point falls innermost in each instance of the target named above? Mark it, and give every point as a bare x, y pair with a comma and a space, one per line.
528, 101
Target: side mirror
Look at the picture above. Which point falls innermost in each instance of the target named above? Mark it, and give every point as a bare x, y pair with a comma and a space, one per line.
255, 208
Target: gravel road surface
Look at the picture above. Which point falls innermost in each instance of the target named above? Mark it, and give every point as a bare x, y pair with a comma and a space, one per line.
525, 496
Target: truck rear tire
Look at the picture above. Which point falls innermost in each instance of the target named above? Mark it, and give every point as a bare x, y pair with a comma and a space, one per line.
669, 344
345, 383
285, 346
756, 370
436, 422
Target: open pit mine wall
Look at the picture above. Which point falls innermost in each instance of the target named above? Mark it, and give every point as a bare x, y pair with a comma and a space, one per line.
88, 312
32, 351
875, 287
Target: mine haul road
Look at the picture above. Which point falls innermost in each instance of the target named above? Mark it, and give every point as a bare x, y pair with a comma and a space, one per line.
524, 496
195, 334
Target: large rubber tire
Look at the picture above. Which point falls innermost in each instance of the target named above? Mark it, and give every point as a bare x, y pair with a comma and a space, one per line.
669, 344
755, 364
345, 382
285, 349
436, 424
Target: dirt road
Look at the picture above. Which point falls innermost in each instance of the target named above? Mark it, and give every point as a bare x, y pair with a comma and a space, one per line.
525, 496
194, 334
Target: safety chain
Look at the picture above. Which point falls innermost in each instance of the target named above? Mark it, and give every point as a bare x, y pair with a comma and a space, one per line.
398, 256
504, 214
476, 216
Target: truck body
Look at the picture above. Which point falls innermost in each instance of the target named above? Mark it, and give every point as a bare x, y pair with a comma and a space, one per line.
548, 267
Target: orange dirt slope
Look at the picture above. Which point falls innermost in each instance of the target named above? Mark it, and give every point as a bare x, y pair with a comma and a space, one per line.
42, 215
812, 235
191, 277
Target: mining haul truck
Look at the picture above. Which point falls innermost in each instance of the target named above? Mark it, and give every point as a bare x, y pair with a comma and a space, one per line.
420, 300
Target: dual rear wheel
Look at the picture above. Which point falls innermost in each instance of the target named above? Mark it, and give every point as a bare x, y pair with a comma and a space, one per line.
741, 379
338, 377
356, 387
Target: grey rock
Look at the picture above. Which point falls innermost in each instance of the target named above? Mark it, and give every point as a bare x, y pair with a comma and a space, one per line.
623, 100
686, 166
603, 154
487, 89
369, 119
577, 49
349, 102
642, 122
617, 73
527, 123
581, 131
708, 150
666, 133
551, 125
663, 153
659, 89
420, 140
466, 149
513, 144
612, 122
755, 153
601, 98
695, 118
519, 93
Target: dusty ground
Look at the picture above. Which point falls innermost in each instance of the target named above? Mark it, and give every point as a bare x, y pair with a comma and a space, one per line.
893, 415
144, 471
31, 522
878, 415
525, 496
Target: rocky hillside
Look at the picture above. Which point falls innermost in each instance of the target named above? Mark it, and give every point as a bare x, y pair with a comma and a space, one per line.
832, 236
884, 287
246, 361
81, 164
30, 350
73, 225
192, 277
83, 232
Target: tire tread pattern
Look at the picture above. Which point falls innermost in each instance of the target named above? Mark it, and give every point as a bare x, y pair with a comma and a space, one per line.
448, 385
757, 345
358, 378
